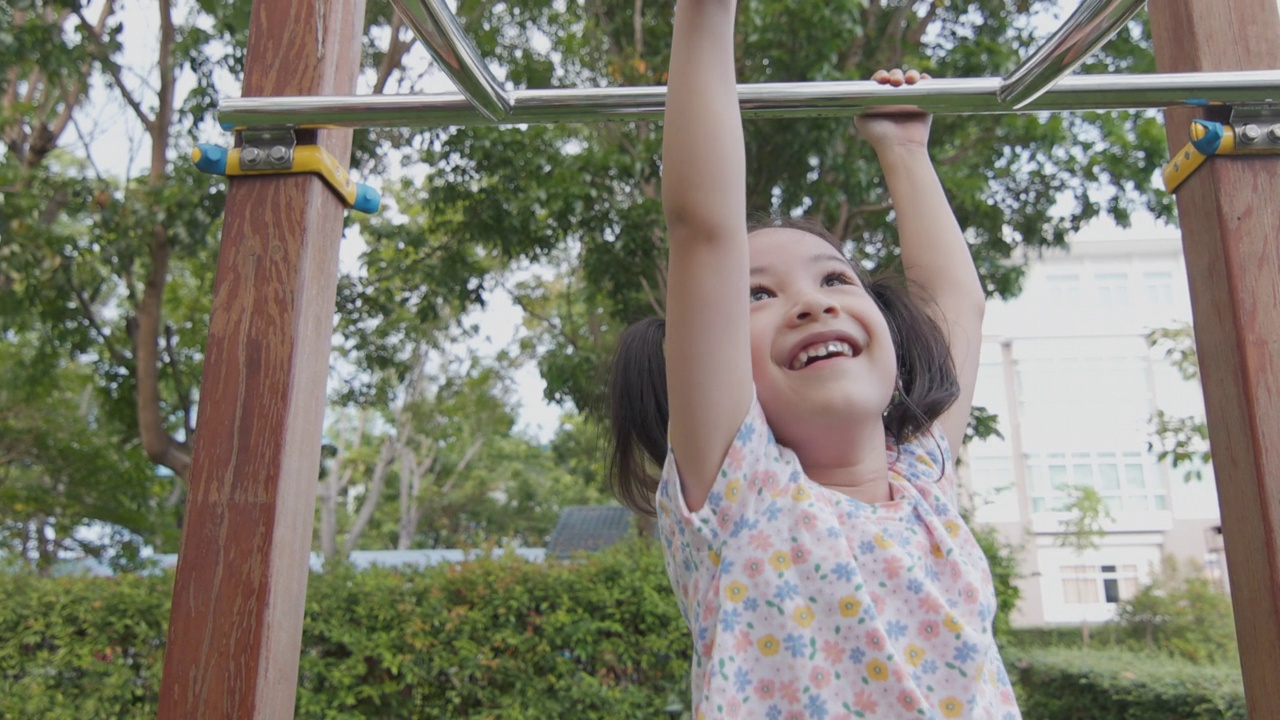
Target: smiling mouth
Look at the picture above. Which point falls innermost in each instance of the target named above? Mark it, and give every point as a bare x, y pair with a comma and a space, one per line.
822, 351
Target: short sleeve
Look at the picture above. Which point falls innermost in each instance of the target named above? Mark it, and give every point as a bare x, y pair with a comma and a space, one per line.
925, 460
755, 469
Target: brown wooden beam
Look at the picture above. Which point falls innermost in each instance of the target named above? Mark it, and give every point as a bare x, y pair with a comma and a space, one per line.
235, 628
1230, 216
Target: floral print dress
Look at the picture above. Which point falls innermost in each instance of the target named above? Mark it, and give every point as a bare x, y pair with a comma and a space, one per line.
807, 604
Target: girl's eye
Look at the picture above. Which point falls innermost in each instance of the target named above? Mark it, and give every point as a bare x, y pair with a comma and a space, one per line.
835, 279
758, 293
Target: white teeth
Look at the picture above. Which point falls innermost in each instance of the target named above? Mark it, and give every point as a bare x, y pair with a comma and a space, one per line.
822, 350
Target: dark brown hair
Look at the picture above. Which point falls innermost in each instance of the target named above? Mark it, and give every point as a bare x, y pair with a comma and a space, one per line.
927, 383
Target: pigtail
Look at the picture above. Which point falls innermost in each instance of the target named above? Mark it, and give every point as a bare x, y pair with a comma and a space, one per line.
927, 382
638, 414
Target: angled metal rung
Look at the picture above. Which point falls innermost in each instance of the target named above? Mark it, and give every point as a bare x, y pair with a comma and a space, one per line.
1093, 23
438, 29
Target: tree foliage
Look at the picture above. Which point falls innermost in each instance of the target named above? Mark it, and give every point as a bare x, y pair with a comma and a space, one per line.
1181, 613
1183, 440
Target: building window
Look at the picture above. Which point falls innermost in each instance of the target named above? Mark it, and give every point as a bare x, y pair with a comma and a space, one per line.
1127, 481
1092, 584
1064, 288
1159, 287
1113, 288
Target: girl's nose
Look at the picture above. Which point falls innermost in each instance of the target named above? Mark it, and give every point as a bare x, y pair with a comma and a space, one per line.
813, 305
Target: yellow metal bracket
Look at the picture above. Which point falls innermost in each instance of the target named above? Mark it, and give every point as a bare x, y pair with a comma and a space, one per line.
275, 152
1252, 131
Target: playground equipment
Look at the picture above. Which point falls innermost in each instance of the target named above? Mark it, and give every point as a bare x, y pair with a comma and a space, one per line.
236, 622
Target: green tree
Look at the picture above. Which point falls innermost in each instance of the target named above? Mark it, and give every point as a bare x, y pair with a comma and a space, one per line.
1182, 613
1183, 440
72, 482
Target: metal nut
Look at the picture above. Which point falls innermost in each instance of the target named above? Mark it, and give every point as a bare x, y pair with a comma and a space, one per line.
1250, 134
1273, 133
278, 154
251, 156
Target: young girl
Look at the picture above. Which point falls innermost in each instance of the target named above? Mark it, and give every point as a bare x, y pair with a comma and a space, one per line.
807, 500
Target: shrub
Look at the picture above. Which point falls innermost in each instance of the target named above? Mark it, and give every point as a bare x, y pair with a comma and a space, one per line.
82, 648
496, 639
1180, 612
1060, 684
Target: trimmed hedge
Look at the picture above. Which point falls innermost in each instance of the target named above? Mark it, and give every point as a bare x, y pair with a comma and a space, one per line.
491, 639
502, 639
1061, 684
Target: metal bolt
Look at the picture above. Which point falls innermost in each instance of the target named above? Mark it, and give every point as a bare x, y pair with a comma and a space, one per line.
251, 156
278, 154
1250, 134
1273, 133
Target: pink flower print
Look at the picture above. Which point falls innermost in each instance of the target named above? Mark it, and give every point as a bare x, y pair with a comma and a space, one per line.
893, 567
969, 594
789, 691
955, 570
909, 700
930, 629
819, 677
742, 642
724, 518
832, 651
733, 708
760, 540
931, 605
734, 458
864, 702
875, 640
799, 555
794, 715
808, 520
765, 689
755, 567
770, 483
898, 673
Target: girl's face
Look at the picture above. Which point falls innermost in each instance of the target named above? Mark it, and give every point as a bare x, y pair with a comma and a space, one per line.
821, 353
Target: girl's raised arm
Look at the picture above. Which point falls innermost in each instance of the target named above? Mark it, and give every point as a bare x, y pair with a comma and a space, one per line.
935, 255
708, 343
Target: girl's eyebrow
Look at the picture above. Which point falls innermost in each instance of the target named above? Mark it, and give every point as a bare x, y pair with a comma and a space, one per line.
826, 259
819, 259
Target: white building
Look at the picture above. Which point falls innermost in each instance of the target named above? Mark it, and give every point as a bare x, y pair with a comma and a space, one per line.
1066, 367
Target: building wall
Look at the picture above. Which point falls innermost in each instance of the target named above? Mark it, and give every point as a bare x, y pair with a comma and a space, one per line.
1066, 367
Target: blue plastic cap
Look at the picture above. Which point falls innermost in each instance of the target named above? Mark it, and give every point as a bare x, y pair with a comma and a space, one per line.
367, 199
1212, 140
212, 159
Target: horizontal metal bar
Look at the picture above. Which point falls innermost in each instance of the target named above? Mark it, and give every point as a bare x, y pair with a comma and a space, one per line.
1088, 28
808, 99
438, 29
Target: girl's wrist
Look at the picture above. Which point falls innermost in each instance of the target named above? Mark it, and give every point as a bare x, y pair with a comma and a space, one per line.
899, 151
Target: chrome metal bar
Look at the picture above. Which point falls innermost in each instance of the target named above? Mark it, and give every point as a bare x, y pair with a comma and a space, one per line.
967, 96
1092, 24
438, 29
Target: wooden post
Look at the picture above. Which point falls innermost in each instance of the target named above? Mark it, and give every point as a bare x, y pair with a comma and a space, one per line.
235, 628
1230, 216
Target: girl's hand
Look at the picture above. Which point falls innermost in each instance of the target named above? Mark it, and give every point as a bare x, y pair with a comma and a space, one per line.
889, 127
